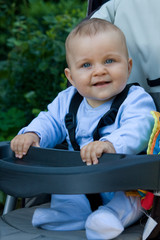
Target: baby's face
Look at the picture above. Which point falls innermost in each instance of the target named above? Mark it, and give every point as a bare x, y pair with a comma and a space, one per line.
99, 66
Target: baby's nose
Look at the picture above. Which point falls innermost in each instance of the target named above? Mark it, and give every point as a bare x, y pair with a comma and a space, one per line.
99, 70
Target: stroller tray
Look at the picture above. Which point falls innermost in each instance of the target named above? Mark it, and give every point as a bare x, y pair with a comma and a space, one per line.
63, 172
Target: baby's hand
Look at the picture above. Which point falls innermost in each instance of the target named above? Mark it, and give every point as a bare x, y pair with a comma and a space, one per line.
92, 151
21, 143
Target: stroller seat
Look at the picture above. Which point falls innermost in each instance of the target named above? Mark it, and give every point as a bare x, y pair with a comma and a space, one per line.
17, 225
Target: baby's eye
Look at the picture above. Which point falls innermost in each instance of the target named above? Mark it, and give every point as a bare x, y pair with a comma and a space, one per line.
86, 65
109, 61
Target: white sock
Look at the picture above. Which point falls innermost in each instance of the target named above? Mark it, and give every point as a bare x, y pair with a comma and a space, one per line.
103, 224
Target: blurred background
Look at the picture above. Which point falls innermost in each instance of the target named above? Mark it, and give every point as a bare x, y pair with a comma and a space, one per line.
32, 58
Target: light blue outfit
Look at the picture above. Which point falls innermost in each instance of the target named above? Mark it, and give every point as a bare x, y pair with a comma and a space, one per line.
129, 134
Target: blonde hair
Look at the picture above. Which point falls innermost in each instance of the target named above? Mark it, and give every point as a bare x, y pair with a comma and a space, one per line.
91, 27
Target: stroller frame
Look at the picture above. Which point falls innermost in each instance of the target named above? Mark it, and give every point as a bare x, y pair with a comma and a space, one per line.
126, 175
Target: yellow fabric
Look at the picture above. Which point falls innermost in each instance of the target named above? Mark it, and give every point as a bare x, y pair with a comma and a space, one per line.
155, 132
133, 193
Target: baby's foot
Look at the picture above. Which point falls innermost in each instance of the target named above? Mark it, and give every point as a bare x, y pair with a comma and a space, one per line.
67, 212
103, 224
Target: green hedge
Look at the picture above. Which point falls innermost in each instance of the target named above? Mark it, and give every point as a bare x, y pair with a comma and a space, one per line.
32, 58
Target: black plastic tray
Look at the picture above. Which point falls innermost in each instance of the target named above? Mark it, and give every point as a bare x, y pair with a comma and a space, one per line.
63, 172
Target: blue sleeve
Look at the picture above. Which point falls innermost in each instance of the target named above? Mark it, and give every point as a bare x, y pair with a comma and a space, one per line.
134, 123
50, 125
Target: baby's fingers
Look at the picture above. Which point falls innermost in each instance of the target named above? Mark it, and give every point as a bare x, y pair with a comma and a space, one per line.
85, 155
88, 155
17, 146
92, 152
94, 157
20, 145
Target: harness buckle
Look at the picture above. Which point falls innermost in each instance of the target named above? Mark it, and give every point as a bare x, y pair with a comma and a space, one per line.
70, 121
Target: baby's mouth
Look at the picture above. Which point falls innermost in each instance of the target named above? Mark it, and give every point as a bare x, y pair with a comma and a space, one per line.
99, 84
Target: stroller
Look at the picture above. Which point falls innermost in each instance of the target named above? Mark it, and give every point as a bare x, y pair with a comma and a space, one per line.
21, 179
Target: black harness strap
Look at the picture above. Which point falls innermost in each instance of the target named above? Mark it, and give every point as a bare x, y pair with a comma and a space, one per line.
70, 119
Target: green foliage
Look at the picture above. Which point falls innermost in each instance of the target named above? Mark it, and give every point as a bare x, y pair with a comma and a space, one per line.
32, 57
2, 200
11, 121
32, 70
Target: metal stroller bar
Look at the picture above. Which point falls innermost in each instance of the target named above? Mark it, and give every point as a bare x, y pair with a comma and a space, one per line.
9, 204
94, 4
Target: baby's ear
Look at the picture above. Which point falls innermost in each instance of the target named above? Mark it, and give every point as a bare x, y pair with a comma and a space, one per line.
68, 75
129, 65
